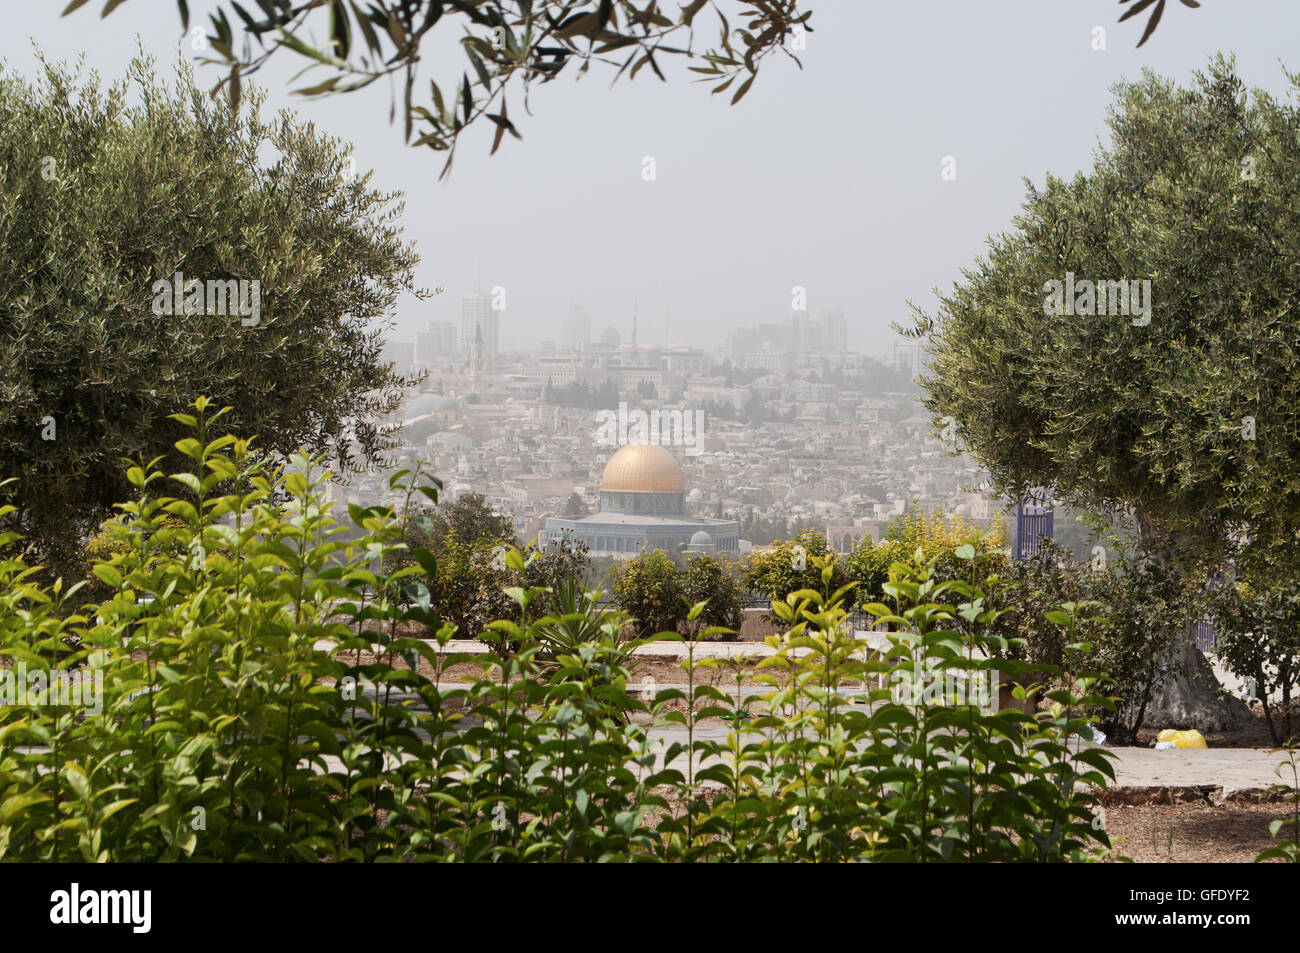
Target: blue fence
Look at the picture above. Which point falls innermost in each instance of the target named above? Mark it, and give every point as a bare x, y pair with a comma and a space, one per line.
1032, 523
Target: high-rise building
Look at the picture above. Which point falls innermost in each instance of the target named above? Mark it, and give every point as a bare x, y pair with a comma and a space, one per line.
836, 333
439, 342
797, 335
906, 356
476, 315
806, 334
577, 331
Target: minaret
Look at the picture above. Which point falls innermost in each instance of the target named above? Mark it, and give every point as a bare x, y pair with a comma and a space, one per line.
476, 363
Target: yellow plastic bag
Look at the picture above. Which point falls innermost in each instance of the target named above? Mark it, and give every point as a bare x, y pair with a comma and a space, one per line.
1182, 739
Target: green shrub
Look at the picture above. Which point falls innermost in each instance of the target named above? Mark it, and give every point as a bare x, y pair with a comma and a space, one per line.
260, 703
711, 580
1258, 638
817, 777
937, 536
788, 565
1136, 607
1289, 848
459, 551
648, 588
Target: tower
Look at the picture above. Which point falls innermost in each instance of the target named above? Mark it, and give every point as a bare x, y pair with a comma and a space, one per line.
477, 317
478, 361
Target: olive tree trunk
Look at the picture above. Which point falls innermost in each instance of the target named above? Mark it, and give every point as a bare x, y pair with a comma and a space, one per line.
1187, 693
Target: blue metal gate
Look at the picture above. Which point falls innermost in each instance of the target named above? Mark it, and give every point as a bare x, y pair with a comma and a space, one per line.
1032, 523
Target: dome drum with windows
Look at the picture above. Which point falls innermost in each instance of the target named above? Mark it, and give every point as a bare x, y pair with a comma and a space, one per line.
643, 508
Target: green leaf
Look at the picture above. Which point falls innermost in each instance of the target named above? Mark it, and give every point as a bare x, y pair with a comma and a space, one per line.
189, 480
20, 803
340, 29
367, 31
744, 88
190, 447
108, 575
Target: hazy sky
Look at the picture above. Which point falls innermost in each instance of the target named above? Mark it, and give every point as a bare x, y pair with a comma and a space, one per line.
827, 177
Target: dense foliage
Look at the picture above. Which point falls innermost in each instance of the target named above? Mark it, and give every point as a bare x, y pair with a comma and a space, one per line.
103, 193
459, 550
260, 701
648, 588
1259, 639
788, 566
937, 535
1136, 609
1128, 347
711, 580
1186, 411
469, 517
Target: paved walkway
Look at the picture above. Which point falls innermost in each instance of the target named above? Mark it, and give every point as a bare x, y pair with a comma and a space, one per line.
1233, 769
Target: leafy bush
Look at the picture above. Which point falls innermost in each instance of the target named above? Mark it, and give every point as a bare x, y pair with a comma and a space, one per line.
578, 623
711, 580
1137, 608
937, 536
819, 778
788, 566
260, 703
1258, 638
459, 549
648, 588
1289, 848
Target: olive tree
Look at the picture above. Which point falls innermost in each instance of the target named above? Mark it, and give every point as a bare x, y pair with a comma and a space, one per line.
157, 246
1130, 346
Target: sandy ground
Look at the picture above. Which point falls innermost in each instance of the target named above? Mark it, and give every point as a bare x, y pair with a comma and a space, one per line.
1193, 833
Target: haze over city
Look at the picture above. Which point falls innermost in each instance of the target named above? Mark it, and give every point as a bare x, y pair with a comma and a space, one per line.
827, 177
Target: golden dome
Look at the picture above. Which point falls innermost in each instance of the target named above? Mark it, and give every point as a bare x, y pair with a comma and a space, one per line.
642, 468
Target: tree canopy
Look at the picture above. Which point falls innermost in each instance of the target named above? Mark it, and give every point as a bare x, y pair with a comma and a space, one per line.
472, 519
1184, 409
158, 246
